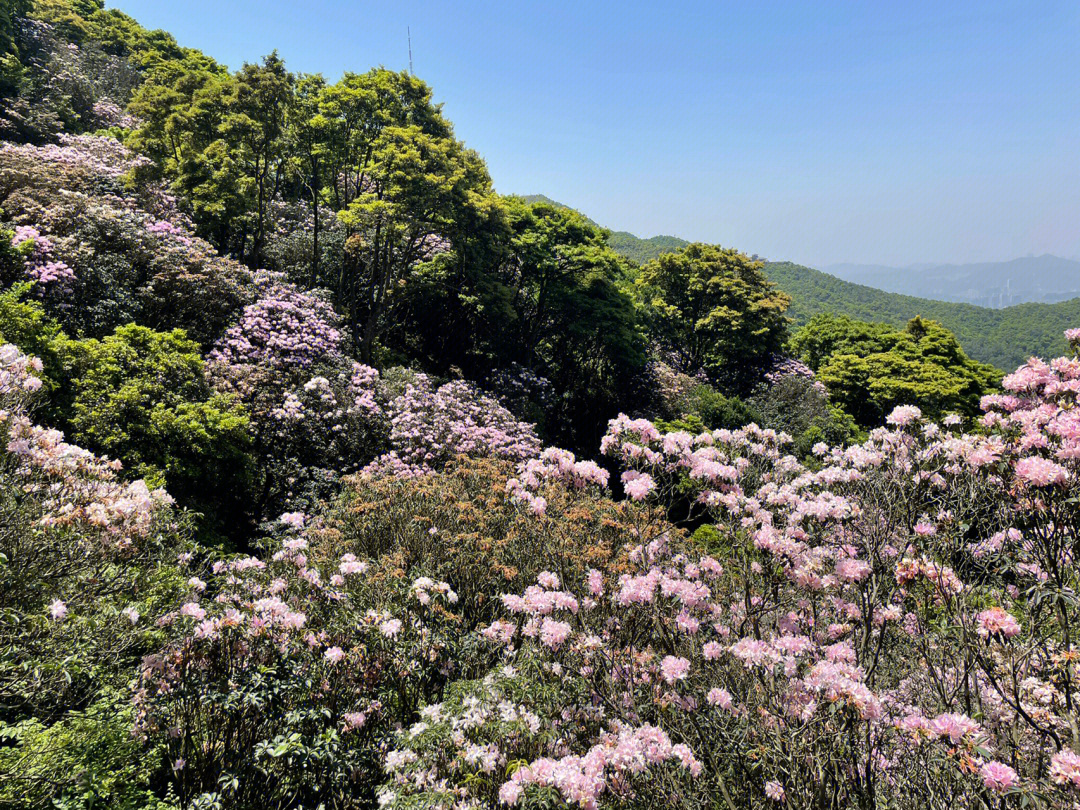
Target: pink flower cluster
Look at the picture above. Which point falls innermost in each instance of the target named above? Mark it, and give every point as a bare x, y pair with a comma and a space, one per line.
286, 330
582, 779
38, 252
429, 426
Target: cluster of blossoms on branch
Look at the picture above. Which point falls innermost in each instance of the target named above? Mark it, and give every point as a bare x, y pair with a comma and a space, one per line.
286, 329
37, 252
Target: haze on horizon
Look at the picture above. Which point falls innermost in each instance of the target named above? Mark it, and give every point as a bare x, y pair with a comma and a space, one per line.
889, 134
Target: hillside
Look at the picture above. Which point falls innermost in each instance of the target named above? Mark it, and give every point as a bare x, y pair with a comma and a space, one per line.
642, 250
1046, 279
1004, 337
333, 478
632, 247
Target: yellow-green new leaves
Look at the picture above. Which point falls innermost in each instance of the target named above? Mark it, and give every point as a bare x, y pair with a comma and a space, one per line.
714, 309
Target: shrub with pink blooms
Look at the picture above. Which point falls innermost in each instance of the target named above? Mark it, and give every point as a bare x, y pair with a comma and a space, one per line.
858, 642
104, 253
83, 555
430, 424
302, 668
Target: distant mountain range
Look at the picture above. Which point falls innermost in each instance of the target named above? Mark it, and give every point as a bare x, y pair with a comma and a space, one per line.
1046, 279
994, 332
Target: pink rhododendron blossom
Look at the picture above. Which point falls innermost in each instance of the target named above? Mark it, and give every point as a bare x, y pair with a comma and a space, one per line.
997, 776
674, 668
997, 621
58, 610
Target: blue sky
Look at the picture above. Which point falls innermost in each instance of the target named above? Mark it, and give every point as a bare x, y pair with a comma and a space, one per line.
878, 132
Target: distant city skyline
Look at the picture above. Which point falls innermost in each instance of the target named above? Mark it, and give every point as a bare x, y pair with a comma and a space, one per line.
890, 134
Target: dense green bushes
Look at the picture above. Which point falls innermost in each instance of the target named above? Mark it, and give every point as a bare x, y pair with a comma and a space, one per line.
869, 368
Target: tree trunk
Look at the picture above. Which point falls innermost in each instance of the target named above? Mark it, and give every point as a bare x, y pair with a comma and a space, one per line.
315, 231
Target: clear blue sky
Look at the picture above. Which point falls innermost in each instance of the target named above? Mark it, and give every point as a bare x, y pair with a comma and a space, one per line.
884, 132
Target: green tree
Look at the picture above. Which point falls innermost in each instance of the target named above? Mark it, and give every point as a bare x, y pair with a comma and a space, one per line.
869, 369
222, 142
254, 124
309, 132
828, 334
359, 108
413, 190
714, 309
573, 321
141, 396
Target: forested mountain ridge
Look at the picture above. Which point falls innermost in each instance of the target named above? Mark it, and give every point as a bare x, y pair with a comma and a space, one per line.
1004, 336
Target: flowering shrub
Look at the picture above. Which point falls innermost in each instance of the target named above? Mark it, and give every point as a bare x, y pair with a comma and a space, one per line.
301, 669
82, 554
327, 427
429, 426
522, 391
887, 626
105, 254
286, 330
314, 414
38, 252
459, 526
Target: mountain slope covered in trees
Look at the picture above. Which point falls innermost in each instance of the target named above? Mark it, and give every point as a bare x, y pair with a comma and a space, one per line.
1003, 337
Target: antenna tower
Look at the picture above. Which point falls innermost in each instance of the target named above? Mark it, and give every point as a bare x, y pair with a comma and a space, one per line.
409, 32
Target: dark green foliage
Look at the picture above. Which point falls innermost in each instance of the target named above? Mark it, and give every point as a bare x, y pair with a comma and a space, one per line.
800, 407
716, 411
573, 322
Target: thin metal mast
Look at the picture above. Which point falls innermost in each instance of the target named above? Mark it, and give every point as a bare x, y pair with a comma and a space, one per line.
409, 30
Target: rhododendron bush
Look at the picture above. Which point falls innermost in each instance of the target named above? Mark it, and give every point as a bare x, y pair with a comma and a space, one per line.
104, 253
460, 526
890, 626
317, 415
83, 554
287, 679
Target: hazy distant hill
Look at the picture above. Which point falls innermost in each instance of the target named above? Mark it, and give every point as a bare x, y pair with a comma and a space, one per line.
1005, 337
990, 284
